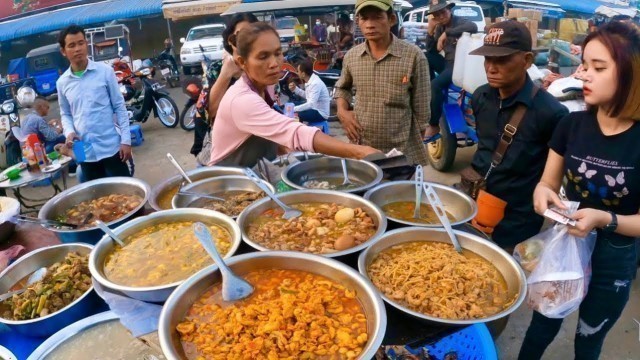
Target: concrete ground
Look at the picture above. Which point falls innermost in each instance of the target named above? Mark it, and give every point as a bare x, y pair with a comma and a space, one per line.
152, 166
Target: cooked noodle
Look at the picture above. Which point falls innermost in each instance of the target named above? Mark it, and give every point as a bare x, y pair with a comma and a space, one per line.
433, 279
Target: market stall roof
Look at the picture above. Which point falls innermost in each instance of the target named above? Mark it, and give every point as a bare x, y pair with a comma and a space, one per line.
300, 5
548, 9
579, 6
183, 9
85, 14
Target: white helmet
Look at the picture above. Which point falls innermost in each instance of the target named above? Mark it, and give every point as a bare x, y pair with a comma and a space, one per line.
26, 96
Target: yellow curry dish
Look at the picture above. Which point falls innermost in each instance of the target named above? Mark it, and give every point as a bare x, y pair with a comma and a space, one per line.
106, 209
162, 254
291, 315
433, 279
323, 228
403, 210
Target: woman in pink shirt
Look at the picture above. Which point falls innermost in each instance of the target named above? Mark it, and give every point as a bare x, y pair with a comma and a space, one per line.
247, 128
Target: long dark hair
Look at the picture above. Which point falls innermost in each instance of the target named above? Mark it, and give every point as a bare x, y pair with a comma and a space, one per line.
231, 28
623, 42
246, 38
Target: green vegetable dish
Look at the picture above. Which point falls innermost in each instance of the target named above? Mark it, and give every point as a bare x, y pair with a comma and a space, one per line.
65, 282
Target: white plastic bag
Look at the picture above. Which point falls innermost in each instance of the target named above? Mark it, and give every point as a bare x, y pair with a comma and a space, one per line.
558, 284
529, 252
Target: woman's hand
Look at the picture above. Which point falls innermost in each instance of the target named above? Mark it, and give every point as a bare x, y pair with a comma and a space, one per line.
364, 151
230, 70
587, 220
543, 196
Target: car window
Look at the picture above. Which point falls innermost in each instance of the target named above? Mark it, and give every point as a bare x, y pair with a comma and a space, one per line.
286, 23
469, 12
204, 33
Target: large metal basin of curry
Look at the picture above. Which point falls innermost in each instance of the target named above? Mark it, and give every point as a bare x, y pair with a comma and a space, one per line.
455, 202
253, 211
162, 194
161, 292
181, 300
91, 190
508, 267
364, 173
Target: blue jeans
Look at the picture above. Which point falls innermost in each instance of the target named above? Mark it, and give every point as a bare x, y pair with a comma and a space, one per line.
311, 116
613, 266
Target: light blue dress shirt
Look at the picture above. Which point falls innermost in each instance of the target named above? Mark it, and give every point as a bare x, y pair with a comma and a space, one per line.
92, 106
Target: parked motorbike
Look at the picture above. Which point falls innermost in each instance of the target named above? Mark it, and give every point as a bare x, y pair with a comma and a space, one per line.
168, 68
150, 96
197, 96
11, 101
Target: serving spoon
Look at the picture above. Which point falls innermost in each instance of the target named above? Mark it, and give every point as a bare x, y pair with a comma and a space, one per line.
197, 194
438, 208
419, 190
54, 223
289, 212
233, 287
180, 169
109, 233
33, 278
346, 181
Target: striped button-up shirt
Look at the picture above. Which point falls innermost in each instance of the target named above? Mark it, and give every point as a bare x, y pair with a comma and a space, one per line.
392, 97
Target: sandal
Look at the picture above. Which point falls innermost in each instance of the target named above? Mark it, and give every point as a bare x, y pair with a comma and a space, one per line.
433, 138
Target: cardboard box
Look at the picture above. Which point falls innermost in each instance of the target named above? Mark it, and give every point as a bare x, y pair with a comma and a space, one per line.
532, 25
533, 14
569, 28
516, 13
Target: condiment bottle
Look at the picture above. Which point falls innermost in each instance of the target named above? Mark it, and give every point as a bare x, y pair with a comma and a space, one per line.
37, 149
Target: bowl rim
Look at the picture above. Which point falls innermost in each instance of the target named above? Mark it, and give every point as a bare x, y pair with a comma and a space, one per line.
473, 204
87, 185
382, 226
97, 271
219, 178
66, 333
522, 292
379, 174
32, 253
371, 292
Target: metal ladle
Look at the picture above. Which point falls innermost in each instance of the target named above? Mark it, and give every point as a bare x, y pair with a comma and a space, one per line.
109, 233
33, 278
419, 190
233, 287
289, 212
180, 169
438, 208
346, 181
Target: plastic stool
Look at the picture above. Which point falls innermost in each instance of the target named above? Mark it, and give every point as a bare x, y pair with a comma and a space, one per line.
136, 135
323, 125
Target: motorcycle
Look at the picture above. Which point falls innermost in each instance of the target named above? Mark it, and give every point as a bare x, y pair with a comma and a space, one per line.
12, 101
150, 96
197, 95
168, 68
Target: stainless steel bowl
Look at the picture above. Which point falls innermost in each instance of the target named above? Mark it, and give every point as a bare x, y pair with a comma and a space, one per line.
171, 184
181, 300
508, 267
331, 167
323, 196
26, 265
88, 191
283, 160
214, 186
455, 202
161, 292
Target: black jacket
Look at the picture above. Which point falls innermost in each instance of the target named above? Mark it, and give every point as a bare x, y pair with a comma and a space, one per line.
458, 26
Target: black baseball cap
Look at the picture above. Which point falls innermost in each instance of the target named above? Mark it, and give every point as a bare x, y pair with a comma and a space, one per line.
505, 38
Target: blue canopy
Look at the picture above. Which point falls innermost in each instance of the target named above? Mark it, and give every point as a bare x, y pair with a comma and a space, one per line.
579, 6
86, 14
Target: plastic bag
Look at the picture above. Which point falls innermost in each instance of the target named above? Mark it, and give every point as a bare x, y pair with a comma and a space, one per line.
529, 252
558, 284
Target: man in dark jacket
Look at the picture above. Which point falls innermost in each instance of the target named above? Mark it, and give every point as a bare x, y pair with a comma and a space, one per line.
444, 30
507, 53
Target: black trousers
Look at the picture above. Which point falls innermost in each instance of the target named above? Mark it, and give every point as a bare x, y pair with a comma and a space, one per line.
613, 266
108, 167
439, 84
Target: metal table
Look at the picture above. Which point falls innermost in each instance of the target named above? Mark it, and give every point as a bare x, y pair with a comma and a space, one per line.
29, 177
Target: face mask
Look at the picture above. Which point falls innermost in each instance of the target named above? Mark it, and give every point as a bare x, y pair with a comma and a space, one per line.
317, 22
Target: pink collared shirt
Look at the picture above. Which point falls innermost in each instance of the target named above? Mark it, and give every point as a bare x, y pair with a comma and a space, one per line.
242, 113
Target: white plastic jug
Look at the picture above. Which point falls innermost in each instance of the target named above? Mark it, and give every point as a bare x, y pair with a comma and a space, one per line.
462, 52
474, 74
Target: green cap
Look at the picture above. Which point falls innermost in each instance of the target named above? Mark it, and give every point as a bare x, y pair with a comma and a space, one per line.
383, 5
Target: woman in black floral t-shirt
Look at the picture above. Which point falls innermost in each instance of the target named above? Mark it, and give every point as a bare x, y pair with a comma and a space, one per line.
599, 153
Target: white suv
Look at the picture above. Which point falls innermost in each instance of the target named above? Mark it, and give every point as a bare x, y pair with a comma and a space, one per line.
205, 37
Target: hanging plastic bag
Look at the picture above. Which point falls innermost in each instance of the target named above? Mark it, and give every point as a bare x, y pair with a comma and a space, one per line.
529, 252
560, 281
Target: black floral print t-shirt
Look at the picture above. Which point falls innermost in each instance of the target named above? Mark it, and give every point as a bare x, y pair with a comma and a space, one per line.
603, 172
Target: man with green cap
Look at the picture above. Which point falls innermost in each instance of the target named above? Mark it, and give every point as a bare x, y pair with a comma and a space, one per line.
391, 77
444, 30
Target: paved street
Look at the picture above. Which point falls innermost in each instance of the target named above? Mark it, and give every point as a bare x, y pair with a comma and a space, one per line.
153, 166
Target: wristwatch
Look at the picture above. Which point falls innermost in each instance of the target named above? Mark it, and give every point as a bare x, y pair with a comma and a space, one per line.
613, 225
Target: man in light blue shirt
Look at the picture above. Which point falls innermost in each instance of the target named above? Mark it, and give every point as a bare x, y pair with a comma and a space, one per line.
92, 109
318, 102
34, 123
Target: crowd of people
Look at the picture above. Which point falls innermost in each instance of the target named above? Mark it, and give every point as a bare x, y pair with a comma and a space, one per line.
528, 141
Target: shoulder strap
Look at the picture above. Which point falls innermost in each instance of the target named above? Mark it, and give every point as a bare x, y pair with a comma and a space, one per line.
510, 130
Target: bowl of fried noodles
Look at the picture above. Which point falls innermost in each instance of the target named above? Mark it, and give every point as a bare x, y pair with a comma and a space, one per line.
418, 271
304, 306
